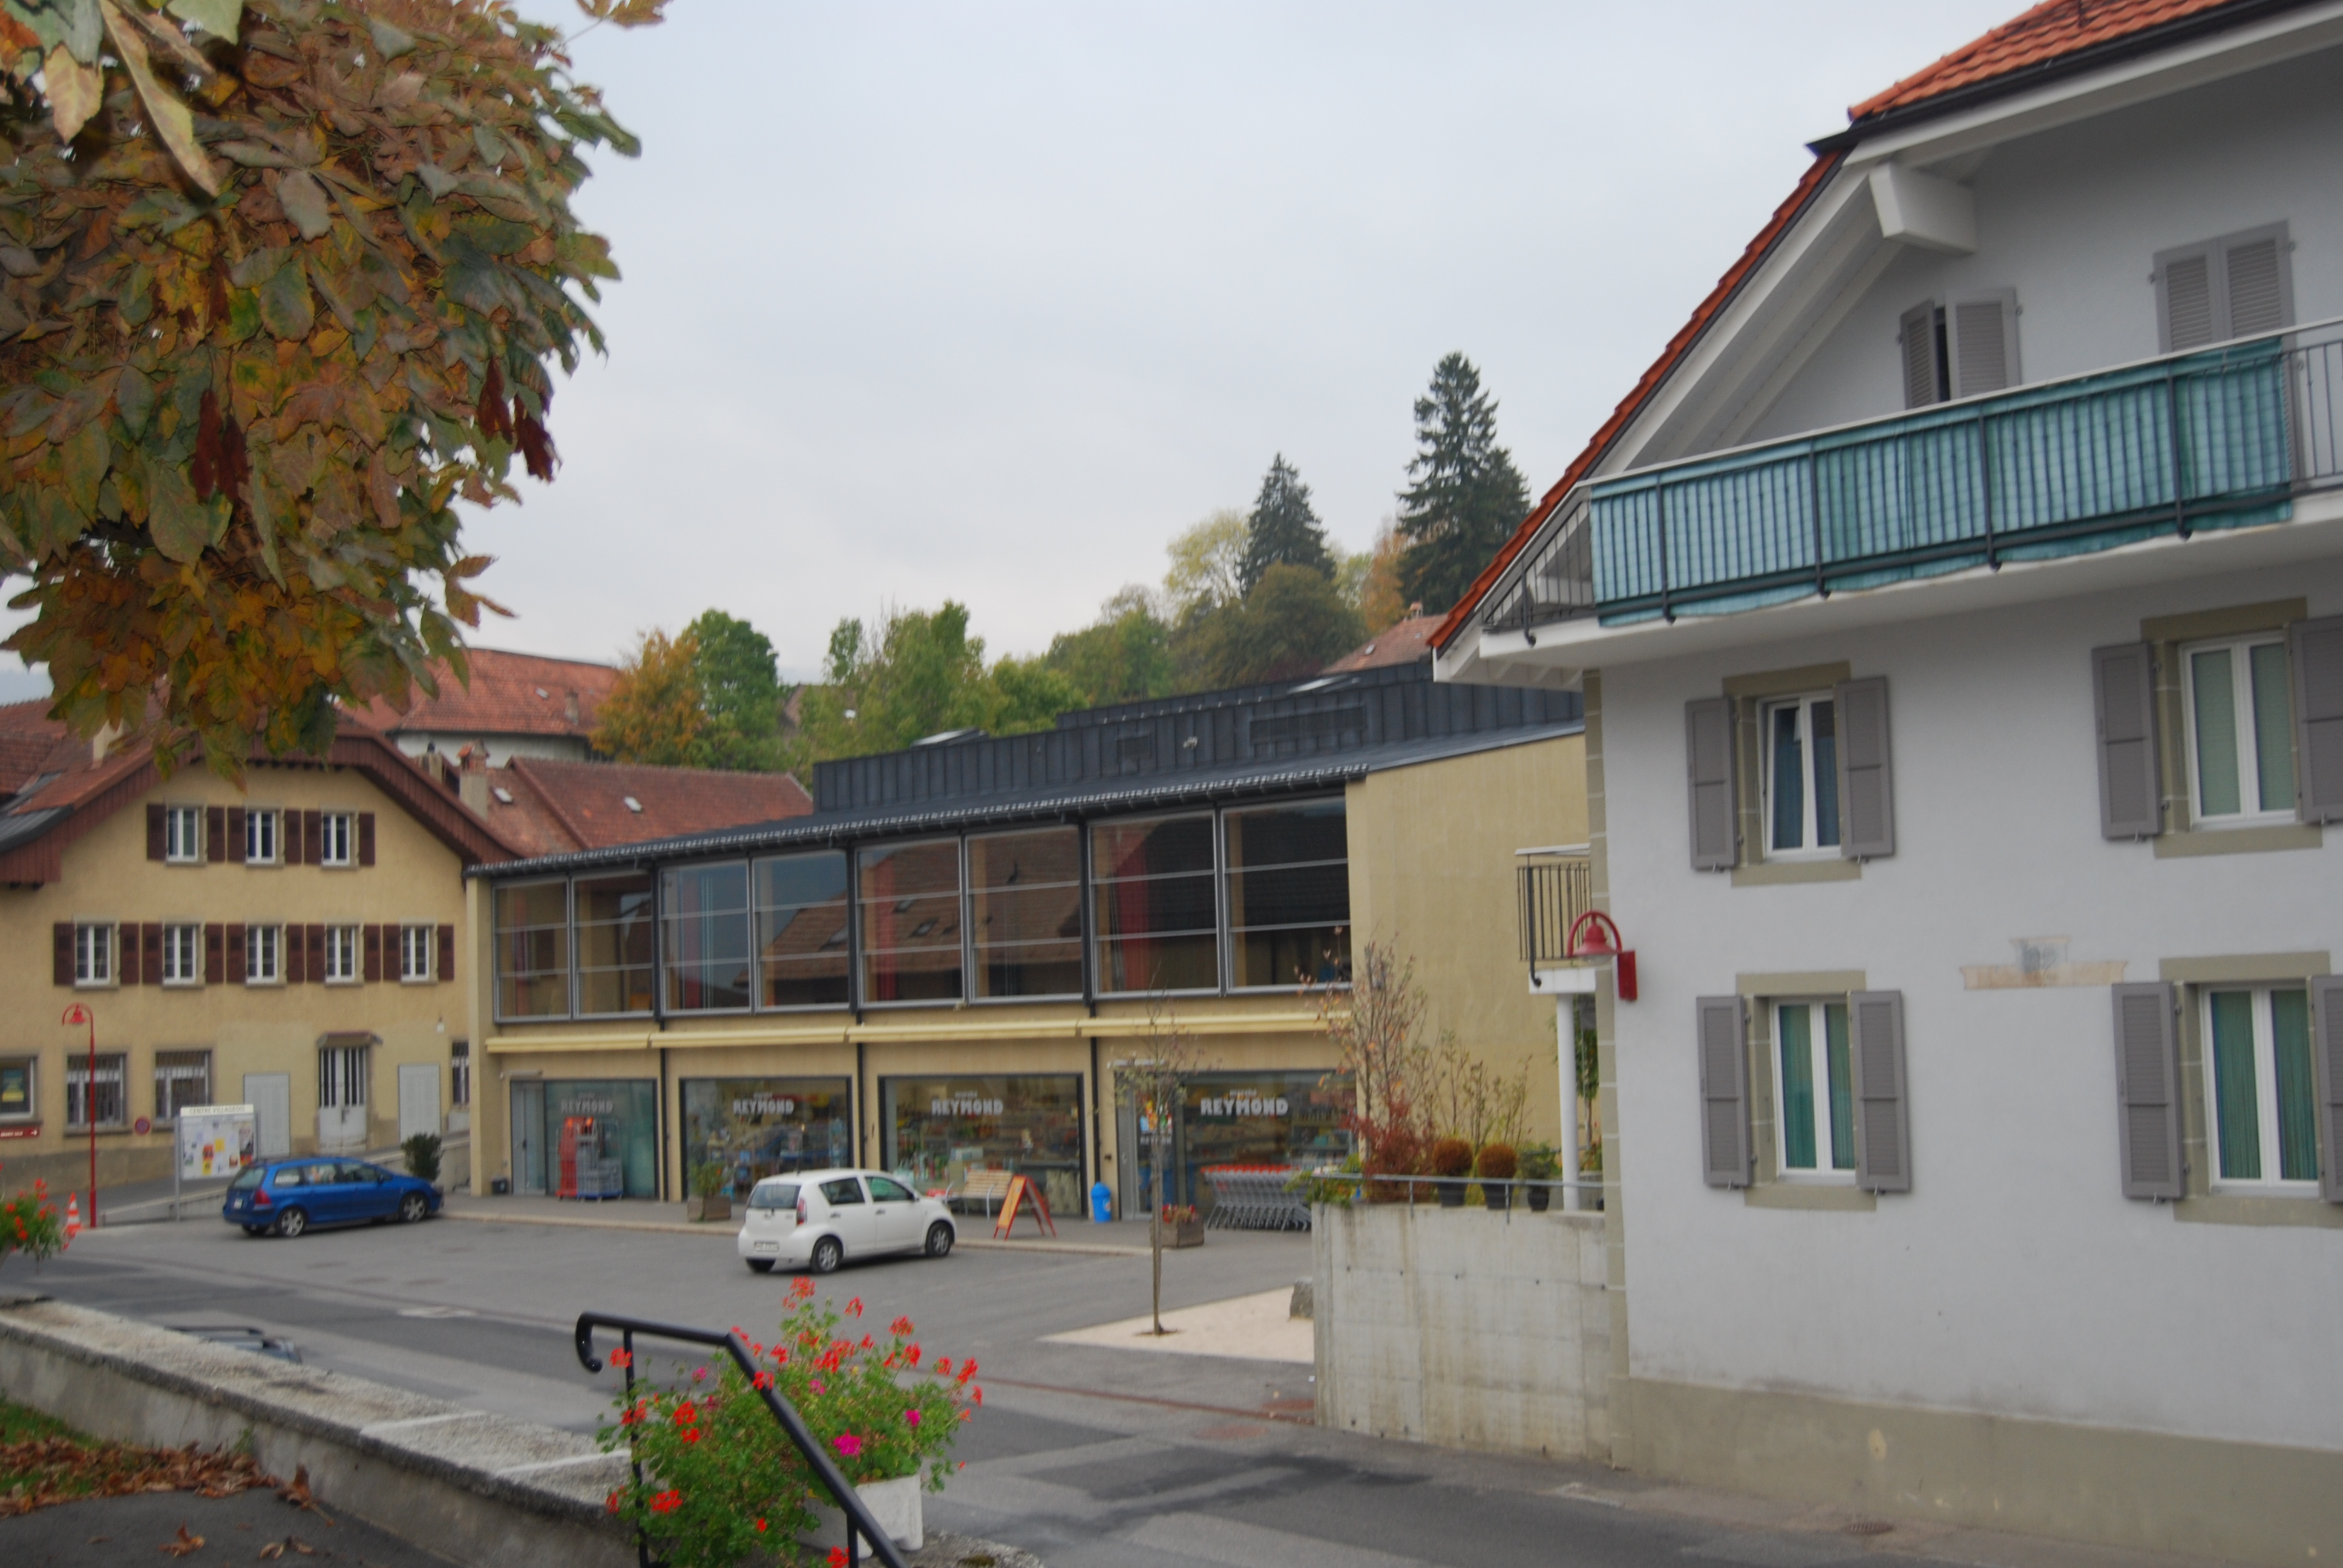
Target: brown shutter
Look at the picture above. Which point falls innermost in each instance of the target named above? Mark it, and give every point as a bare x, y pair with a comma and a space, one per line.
446, 955
214, 958
373, 954
366, 838
294, 957
1724, 1093
215, 833
314, 938
1708, 767
1883, 1112
288, 837
1917, 331
155, 844
125, 953
2123, 691
2148, 1091
235, 959
61, 939
1866, 792
235, 840
2326, 1052
2319, 702
313, 837
150, 949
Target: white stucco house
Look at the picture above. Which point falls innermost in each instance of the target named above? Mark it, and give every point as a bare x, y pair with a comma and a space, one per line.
1958, 606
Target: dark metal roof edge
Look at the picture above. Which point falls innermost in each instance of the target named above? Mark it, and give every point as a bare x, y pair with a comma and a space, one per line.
21, 827
801, 831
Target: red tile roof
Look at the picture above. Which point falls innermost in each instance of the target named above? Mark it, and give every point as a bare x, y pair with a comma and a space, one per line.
509, 694
558, 806
1409, 642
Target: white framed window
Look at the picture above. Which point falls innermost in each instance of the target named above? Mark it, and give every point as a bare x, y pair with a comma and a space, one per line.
2259, 1088
1813, 1092
264, 955
342, 1075
112, 1109
182, 1078
418, 951
337, 838
264, 843
20, 1083
459, 1074
183, 835
342, 955
1799, 741
2240, 707
183, 955
94, 953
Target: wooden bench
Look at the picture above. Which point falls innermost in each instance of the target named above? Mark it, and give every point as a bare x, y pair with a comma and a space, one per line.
986, 1187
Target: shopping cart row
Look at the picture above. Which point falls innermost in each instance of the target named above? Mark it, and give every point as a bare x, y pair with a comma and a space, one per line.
1254, 1198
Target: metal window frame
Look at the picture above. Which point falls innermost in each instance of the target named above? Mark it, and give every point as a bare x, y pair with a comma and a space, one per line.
967, 913
1220, 930
758, 910
577, 925
859, 941
667, 917
497, 973
1228, 928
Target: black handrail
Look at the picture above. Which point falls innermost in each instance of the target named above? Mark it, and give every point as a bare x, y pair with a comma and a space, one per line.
860, 1521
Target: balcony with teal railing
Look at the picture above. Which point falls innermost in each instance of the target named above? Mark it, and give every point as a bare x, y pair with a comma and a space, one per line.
2220, 438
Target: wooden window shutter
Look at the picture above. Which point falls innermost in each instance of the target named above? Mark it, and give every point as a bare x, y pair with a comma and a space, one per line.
1866, 792
1923, 369
373, 954
126, 954
2319, 710
288, 837
2184, 299
1983, 336
236, 960
2123, 694
2327, 1050
446, 955
2254, 282
236, 840
215, 954
2148, 1091
1883, 1111
155, 845
1724, 1145
314, 938
61, 953
215, 833
366, 838
150, 954
296, 957
2238, 285
313, 837
1708, 765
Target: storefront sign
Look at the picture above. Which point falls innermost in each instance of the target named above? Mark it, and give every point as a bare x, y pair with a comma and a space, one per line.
31, 1131
588, 1105
966, 1106
764, 1105
1243, 1105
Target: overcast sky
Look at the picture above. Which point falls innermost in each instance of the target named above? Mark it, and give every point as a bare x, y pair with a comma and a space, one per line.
986, 300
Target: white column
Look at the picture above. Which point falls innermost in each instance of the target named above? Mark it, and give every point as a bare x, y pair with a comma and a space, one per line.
1566, 1030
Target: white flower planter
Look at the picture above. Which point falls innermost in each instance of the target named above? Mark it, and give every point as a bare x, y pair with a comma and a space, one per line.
895, 1504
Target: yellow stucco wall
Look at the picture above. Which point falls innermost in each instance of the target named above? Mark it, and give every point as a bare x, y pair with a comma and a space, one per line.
414, 879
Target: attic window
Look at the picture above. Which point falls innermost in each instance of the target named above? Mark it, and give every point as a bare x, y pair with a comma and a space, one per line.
503, 794
632, 804
542, 693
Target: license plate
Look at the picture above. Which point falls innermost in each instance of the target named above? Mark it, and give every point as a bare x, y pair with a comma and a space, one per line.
768, 1246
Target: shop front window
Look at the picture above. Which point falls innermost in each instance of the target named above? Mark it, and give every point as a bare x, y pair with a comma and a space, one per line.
706, 917
614, 943
1154, 905
1289, 895
760, 1127
911, 921
532, 936
1025, 912
1291, 1118
801, 939
18, 1100
601, 1138
938, 1129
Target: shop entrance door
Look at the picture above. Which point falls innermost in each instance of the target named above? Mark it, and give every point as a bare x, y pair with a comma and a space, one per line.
270, 1095
528, 1136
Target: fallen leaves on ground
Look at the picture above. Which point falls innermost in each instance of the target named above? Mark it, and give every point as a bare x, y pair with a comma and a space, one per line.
277, 1549
46, 1470
296, 1492
183, 1544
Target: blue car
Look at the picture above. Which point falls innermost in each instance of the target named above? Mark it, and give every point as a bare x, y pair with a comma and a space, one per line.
286, 1197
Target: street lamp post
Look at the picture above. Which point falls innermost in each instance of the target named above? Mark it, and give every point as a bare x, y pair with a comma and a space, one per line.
80, 1013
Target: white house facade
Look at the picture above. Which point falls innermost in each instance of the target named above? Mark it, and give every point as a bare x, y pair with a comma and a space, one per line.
1958, 608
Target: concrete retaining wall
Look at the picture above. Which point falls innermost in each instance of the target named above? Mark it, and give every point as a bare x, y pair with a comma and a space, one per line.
474, 1487
1463, 1328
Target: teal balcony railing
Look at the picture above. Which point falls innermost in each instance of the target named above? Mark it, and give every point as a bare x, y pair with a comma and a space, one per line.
2220, 438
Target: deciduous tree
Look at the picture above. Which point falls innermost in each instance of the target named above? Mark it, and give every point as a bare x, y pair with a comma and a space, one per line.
1124, 657
1464, 497
741, 692
657, 710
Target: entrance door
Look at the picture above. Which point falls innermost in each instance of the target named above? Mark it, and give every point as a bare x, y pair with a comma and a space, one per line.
270, 1095
528, 1137
418, 1099
342, 1072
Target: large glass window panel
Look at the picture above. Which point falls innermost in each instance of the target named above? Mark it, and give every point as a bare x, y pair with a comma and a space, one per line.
1815, 1089
1025, 912
2290, 1079
2260, 1079
934, 1131
2214, 689
1155, 906
801, 929
1289, 895
532, 941
707, 955
1801, 775
911, 921
614, 948
2273, 726
2241, 730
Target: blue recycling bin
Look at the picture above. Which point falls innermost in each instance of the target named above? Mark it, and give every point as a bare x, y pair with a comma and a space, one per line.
1102, 1204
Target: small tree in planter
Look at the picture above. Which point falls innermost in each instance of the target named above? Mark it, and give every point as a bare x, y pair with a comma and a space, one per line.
708, 1200
1372, 1026
422, 1155
1452, 1161
1539, 1162
1152, 1087
1495, 1164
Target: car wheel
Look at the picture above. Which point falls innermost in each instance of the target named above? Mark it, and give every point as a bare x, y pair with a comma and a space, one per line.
940, 1239
412, 1208
760, 1265
827, 1255
291, 1223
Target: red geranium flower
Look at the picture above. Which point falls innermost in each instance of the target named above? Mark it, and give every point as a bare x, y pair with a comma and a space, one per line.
900, 1326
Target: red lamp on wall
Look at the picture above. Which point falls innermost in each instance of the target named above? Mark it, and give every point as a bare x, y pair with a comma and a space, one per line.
1595, 935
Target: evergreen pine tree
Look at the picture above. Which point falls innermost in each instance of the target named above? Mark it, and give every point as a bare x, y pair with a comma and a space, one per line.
1464, 497
1283, 529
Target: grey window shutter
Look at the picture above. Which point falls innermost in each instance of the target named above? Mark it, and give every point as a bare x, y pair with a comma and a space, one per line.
1708, 765
2254, 282
2326, 1048
2319, 721
2123, 692
1983, 336
1916, 332
1883, 1114
2148, 1091
1724, 1093
1866, 792
2184, 299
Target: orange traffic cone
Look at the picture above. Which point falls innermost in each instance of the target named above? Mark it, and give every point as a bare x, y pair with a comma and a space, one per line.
72, 1216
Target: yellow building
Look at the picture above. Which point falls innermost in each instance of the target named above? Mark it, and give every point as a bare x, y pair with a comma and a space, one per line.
296, 945
937, 969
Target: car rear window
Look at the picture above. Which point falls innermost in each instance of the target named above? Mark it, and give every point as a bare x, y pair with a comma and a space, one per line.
247, 1179
774, 1195
845, 1189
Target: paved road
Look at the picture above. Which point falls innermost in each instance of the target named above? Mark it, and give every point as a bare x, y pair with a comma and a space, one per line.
1091, 1458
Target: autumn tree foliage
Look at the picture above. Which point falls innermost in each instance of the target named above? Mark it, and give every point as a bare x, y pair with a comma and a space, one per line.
280, 283
657, 710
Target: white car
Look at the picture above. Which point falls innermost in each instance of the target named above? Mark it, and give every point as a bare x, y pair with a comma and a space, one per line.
818, 1219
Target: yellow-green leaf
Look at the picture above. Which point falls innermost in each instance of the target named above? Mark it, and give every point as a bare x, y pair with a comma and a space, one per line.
85, 454
285, 307
171, 118
75, 91
304, 201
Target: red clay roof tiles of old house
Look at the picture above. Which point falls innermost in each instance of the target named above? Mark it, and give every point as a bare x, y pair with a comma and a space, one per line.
556, 806
1405, 643
509, 694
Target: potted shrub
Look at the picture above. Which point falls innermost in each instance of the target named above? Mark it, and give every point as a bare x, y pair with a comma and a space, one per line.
1182, 1226
1452, 1159
1539, 1162
422, 1154
1495, 1166
708, 1201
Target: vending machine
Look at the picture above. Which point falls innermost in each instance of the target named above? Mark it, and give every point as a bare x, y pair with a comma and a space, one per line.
588, 1167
